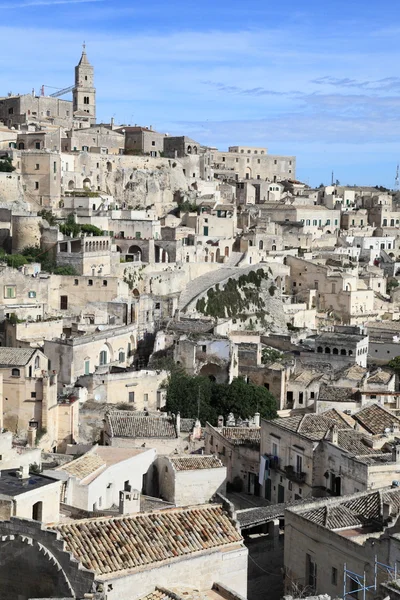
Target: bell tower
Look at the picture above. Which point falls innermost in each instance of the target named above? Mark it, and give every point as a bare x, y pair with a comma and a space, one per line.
84, 92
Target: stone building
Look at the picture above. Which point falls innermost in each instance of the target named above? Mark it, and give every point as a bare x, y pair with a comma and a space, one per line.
252, 163
94, 256
190, 479
239, 450
29, 391
332, 545
144, 390
29, 496
130, 429
143, 140
328, 454
16, 110
74, 357
95, 480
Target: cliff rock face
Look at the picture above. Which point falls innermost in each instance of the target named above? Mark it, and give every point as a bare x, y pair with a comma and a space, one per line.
148, 185
250, 296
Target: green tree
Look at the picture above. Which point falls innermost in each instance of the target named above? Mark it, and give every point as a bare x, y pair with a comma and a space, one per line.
395, 364
270, 355
6, 165
70, 226
48, 216
187, 394
64, 270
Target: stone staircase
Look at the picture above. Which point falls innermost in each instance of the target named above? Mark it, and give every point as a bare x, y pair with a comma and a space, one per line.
201, 284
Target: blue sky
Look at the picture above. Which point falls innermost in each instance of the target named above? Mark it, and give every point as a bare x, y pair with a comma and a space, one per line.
320, 80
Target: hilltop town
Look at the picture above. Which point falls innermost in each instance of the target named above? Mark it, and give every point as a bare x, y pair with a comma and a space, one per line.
199, 361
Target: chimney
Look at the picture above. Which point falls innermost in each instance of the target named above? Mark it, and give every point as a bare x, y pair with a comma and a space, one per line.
31, 437
24, 471
334, 435
257, 419
129, 502
178, 424
196, 433
112, 122
396, 453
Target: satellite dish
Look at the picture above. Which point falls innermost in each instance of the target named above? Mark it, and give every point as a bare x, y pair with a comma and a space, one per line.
387, 430
97, 397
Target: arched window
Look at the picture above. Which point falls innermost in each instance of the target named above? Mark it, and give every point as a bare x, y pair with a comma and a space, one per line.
37, 362
261, 245
350, 352
103, 357
335, 351
15, 373
319, 349
327, 350
121, 356
384, 222
343, 352
21, 146
37, 510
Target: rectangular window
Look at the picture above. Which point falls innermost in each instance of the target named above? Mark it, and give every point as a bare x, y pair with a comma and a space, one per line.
131, 397
299, 463
37, 167
146, 399
90, 282
76, 281
37, 145
54, 167
36, 185
31, 294
334, 576
311, 572
105, 282
33, 394
87, 367
10, 291
63, 302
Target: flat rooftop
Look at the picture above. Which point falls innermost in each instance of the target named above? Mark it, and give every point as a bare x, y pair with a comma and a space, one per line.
11, 485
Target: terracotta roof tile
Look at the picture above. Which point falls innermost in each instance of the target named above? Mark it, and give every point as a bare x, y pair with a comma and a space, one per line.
83, 466
193, 463
15, 356
109, 545
242, 435
123, 423
375, 419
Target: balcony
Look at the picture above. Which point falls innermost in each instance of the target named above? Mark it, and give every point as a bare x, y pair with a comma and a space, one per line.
274, 462
293, 475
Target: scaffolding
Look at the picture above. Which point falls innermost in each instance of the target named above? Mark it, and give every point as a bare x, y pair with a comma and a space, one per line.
358, 583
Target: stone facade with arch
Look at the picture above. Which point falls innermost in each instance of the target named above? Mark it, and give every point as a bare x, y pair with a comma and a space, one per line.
40, 551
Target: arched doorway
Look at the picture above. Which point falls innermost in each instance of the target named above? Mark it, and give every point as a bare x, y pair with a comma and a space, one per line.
136, 252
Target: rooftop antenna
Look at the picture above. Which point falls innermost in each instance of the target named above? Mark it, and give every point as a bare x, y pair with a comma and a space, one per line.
332, 181
397, 179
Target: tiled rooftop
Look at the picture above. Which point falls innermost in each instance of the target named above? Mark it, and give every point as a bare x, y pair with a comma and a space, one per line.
18, 357
194, 462
354, 442
83, 466
242, 435
315, 426
362, 509
123, 423
110, 545
375, 419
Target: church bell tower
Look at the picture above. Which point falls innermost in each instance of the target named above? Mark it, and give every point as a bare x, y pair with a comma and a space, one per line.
84, 92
